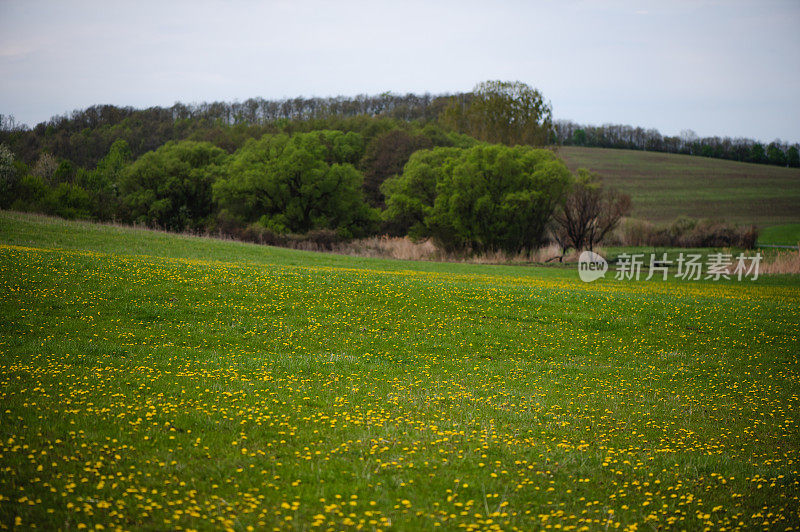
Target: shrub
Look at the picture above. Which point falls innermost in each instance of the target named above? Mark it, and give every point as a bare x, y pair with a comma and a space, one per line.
686, 233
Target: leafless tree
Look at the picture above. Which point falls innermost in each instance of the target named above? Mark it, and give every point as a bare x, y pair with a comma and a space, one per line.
589, 213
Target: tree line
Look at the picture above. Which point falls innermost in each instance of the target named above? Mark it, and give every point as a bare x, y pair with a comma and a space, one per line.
779, 153
84, 136
469, 170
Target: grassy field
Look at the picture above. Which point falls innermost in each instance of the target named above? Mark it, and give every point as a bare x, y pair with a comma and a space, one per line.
664, 186
785, 235
152, 381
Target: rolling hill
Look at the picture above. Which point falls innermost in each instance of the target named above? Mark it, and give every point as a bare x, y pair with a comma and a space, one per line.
664, 186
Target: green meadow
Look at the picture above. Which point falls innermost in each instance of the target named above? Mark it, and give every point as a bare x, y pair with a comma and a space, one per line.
152, 381
782, 235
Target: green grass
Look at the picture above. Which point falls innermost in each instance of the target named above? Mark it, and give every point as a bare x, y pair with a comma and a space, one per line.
782, 235
664, 186
150, 381
38, 230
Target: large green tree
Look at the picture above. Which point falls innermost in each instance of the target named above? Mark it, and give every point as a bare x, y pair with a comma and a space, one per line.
171, 186
484, 198
410, 196
504, 112
299, 183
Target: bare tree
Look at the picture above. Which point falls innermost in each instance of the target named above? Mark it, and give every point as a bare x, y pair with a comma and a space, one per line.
589, 213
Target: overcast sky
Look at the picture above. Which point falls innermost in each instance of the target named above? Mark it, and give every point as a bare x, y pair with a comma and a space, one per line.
717, 67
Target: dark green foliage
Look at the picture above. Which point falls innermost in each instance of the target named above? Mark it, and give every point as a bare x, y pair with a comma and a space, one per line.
757, 154
385, 156
793, 157
297, 184
30, 194
440, 137
65, 172
103, 182
484, 198
85, 136
775, 155
68, 200
171, 186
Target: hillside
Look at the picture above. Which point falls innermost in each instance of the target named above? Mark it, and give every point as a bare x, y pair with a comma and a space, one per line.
664, 186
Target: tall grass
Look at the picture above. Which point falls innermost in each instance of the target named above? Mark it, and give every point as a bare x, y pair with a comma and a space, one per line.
783, 262
405, 249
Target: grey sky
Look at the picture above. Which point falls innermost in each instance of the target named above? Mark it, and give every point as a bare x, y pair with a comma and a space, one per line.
719, 68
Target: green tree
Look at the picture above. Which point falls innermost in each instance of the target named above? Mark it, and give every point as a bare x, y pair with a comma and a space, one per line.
793, 157
504, 112
775, 155
299, 183
30, 194
484, 198
171, 186
102, 183
65, 172
757, 154
68, 200
117, 158
410, 196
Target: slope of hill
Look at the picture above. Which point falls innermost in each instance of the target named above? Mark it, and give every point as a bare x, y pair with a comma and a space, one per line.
664, 186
